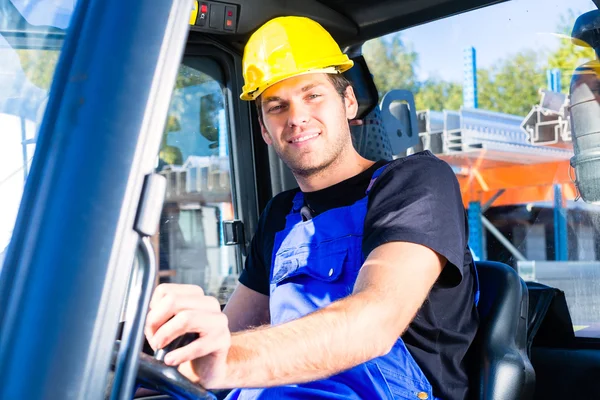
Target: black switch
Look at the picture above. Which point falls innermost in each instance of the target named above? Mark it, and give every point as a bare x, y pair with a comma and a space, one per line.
230, 18
217, 15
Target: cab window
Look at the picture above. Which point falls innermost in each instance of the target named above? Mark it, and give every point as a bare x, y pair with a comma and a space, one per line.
195, 159
26, 71
491, 88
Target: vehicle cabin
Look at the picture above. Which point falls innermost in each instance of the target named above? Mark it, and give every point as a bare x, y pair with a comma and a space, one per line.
128, 159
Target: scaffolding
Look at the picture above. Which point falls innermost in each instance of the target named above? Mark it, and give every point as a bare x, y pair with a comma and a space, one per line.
503, 159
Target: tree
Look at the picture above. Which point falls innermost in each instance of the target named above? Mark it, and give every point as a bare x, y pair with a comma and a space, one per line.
392, 63
512, 85
568, 56
38, 65
436, 94
195, 92
180, 102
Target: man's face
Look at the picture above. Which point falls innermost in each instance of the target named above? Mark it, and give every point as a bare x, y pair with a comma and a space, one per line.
306, 121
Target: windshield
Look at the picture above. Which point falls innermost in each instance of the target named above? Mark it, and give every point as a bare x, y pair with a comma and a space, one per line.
30, 42
492, 92
190, 245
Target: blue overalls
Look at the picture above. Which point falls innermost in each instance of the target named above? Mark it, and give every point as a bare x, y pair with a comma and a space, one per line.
316, 262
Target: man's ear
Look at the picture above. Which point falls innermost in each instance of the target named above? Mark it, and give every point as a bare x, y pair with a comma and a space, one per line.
265, 134
350, 103
263, 131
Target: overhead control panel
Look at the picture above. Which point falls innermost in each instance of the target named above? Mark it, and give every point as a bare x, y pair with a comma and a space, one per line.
214, 17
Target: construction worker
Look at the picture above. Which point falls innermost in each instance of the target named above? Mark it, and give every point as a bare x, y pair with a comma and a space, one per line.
359, 284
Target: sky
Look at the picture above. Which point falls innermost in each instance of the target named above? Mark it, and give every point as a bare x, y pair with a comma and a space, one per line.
46, 12
495, 32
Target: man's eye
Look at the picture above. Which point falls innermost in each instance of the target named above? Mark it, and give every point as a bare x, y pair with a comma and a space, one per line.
314, 96
275, 108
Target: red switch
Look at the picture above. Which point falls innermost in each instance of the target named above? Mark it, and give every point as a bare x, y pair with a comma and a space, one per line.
203, 8
230, 16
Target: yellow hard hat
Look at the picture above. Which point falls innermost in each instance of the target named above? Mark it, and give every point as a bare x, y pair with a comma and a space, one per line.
286, 47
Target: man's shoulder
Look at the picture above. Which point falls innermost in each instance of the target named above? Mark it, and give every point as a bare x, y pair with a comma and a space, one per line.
422, 168
423, 159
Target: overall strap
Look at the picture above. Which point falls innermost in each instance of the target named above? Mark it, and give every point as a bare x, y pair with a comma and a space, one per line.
376, 174
298, 202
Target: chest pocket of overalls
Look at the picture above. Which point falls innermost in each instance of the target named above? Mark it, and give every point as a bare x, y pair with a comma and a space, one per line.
313, 276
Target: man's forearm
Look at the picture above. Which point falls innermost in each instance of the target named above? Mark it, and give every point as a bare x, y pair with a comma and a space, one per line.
360, 327
314, 347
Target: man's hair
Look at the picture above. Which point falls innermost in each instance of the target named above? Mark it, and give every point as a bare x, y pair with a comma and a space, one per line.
339, 82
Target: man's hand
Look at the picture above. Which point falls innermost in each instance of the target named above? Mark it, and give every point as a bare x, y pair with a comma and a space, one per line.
179, 309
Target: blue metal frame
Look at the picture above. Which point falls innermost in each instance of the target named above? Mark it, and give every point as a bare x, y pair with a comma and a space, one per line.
561, 247
553, 79
476, 242
470, 98
65, 275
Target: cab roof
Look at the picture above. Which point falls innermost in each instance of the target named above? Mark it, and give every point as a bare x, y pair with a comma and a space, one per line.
350, 22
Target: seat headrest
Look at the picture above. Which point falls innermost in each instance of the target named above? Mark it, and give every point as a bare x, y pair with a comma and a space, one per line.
370, 139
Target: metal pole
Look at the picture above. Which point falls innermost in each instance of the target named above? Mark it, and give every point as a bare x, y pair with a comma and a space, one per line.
561, 250
509, 246
142, 284
556, 80
24, 146
491, 201
475, 229
470, 78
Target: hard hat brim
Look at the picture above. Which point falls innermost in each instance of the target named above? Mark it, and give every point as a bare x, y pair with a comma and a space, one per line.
337, 69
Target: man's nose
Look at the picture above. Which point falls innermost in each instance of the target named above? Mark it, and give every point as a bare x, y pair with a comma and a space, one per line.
298, 114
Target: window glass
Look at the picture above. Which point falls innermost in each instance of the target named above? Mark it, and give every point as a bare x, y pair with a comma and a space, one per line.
30, 43
492, 92
194, 157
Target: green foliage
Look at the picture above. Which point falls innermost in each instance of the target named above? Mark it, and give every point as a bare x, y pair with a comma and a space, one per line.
38, 65
392, 63
568, 56
436, 94
197, 99
512, 85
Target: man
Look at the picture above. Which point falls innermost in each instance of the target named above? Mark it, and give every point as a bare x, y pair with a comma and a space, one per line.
358, 285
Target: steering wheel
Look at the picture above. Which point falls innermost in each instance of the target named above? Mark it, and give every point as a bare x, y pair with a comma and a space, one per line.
155, 375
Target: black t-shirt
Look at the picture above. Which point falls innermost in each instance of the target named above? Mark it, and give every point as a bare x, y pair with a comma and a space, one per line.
416, 199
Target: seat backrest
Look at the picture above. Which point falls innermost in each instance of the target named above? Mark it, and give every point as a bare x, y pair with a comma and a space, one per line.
371, 139
502, 366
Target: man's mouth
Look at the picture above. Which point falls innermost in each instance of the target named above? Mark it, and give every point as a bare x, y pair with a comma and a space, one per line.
304, 137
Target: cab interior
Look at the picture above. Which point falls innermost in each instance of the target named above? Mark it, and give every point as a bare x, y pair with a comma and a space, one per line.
526, 349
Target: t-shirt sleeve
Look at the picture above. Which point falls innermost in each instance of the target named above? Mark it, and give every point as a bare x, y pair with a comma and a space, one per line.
417, 199
255, 273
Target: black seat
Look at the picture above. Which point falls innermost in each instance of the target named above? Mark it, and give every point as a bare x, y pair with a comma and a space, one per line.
502, 369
